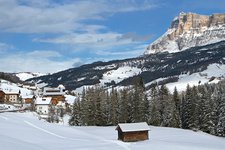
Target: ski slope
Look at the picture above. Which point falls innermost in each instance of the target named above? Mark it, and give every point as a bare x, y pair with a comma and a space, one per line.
23, 131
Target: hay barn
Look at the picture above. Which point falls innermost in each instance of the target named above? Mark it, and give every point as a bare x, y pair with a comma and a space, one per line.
131, 132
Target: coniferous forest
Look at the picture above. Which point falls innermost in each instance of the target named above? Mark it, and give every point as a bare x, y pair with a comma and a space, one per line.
198, 108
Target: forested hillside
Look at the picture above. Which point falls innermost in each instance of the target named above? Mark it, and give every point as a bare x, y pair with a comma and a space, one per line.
198, 108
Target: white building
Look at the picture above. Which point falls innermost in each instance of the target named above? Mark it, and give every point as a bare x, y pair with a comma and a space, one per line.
42, 105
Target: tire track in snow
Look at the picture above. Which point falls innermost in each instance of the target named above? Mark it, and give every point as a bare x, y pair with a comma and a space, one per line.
119, 143
51, 133
4, 117
46, 131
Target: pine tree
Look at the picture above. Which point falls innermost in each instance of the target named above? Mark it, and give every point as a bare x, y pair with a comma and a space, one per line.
124, 102
75, 119
187, 108
98, 107
205, 110
221, 119
176, 102
194, 109
166, 106
138, 99
91, 107
84, 108
114, 108
155, 116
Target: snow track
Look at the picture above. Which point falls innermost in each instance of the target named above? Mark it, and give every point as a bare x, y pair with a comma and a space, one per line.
4, 117
119, 143
43, 130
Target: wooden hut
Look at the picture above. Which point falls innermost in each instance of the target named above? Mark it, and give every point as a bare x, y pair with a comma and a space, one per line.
131, 132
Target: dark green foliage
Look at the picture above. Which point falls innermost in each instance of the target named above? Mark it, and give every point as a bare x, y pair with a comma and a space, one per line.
198, 108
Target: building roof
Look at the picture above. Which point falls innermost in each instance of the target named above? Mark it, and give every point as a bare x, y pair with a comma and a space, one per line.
53, 91
129, 127
11, 93
43, 101
27, 96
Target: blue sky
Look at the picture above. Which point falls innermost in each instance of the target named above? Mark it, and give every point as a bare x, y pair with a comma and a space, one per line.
52, 35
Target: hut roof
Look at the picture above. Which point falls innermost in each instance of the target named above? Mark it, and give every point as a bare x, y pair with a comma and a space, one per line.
129, 127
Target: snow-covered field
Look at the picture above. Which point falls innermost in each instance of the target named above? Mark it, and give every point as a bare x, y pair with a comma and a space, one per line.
27, 75
23, 131
213, 70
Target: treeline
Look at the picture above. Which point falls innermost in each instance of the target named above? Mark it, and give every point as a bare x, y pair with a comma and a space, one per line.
9, 77
198, 108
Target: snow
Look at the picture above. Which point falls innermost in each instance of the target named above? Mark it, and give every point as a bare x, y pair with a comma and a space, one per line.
80, 79
43, 101
120, 74
27, 75
7, 107
7, 87
70, 99
128, 127
213, 70
24, 131
105, 67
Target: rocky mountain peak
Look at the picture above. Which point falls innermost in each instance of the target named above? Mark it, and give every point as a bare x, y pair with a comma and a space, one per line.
190, 30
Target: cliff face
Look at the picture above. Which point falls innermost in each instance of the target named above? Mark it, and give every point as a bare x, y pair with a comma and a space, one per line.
189, 30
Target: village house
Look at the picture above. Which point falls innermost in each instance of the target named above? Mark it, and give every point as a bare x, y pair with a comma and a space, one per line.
28, 101
12, 97
42, 105
131, 132
57, 94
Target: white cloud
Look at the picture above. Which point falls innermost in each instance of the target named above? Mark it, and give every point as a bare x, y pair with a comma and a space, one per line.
43, 54
66, 20
98, 41
5, 47
132, 52
35, 62
34, 16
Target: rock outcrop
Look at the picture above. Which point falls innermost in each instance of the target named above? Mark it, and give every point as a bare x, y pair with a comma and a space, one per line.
190, 30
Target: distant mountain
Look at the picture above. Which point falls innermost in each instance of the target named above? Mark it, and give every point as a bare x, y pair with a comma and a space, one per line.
190, 30
196, 65
192, 52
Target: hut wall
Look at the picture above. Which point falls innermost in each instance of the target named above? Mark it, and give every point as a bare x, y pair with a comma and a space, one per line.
135, 136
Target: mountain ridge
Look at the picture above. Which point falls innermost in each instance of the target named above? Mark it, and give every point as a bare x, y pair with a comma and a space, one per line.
149, 67
190, 30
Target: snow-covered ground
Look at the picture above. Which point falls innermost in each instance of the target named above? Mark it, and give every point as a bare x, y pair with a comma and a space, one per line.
23, 131
7, 107
27, 75
213, 70
119, 74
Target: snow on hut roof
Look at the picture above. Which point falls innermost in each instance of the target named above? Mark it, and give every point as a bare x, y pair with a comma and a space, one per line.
129, 127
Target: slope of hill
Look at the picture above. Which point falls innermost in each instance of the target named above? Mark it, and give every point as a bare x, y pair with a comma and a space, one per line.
196, 64
23, 131
27, 75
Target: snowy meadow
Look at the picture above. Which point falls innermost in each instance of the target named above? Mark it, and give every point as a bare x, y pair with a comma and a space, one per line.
24, 131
